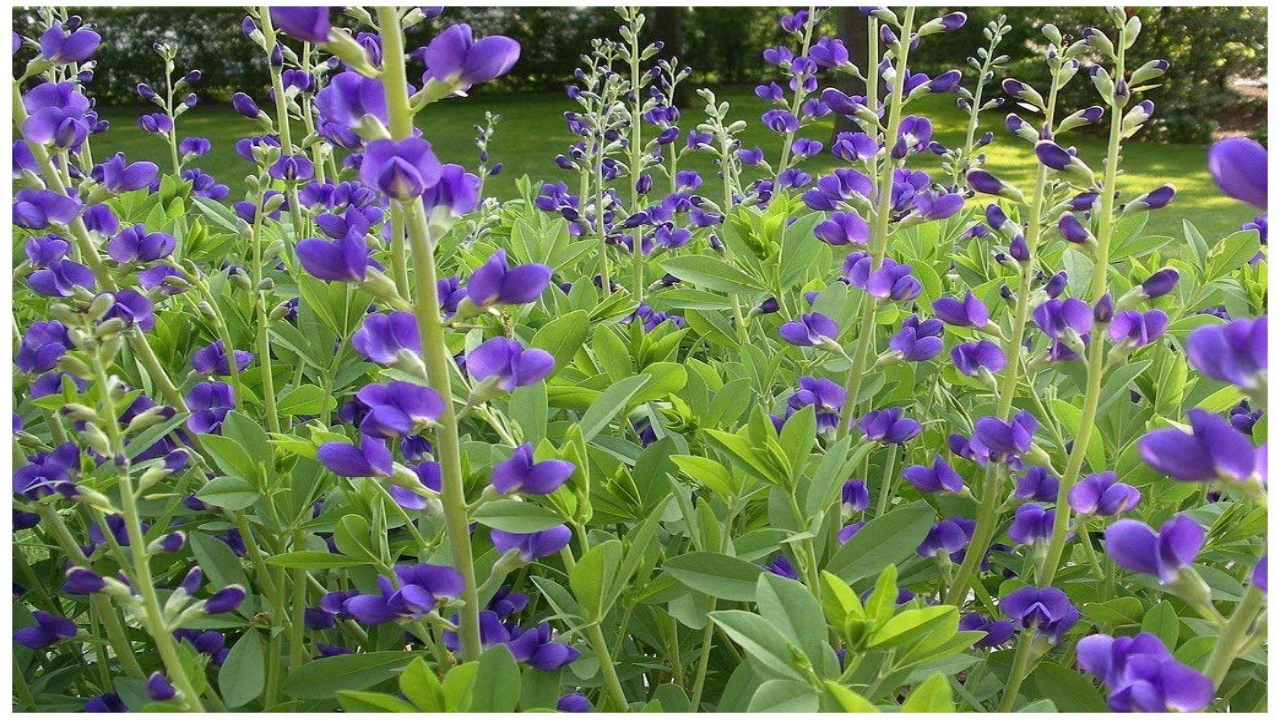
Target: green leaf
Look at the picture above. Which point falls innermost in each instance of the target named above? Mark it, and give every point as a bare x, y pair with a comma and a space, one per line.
242, 675
357, 701
1162, 621
497, 682
762, 642
910, 625
218, 562
931, 696
790, 607
708, 473
314, 560
886, 540
230, 456
229, 493
1069, 690
563, 336
420, 684
516, 516
302, 400
324, 678
607, 406
784, 696
848, 700
711, 273
714, 574
592, 577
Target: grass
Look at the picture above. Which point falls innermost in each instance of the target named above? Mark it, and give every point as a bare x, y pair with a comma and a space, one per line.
532, 132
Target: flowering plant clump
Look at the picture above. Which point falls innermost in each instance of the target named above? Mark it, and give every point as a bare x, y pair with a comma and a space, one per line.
903, 436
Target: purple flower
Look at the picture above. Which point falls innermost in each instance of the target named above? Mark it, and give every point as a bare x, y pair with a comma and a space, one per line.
292, 168
133, 308
38, 209
1214, 450
83, 581
1137, 329
41, 251
811, 330
493, 283
972, 358
1100, 494
893, 281
505, 603
61, 278
854, 497
1054, 317
209, 403
48, 472
508, 364
382, 337
1031, 522
156, 124
1047, 610
1239, 166
940, 477
1037, 484
573, 703
1002, 440
42, 346
843, 228
212, 360
1134, 546
421, 589
521, 474
1259, 575
48, 630
888, 426
969, 312
917, 341
403, 169
782, 567
348, 97
456, 194
1142, 675
949, 536
105, 703
135, 244
453, 57
309, 24
398, 409
854, 146
998, 632
159, 688
120, 176
61, 48
371, 458
1235, 353
848, 531
532, 546
826, 396
343, 260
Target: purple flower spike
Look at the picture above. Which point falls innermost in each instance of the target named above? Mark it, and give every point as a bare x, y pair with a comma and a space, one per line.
1047, 610
1031, 522
48, 630
811, 330
382, 337
309, 24
532, 546
972, 358
371, 458
889, 426
403, 169
1239, 166
1235, 353
212, 360
1142, 675
1134, 546
509, 364
521, 474
453, 57
941, 477
1137, 329
1214, 450
1100, 494
495, 284
398, 409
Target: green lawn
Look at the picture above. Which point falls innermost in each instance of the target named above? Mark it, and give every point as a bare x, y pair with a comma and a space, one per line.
532, 133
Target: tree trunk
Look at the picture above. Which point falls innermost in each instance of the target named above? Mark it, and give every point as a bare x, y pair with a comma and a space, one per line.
851, 27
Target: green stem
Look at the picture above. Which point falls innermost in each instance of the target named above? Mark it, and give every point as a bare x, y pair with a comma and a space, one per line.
635, 160
1021, 660
886, 482
988, 509
607, 670
264, 321
427, 308
1229, 642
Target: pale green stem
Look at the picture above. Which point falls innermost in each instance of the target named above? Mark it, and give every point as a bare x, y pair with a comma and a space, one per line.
1021, 661
1230, 641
